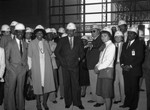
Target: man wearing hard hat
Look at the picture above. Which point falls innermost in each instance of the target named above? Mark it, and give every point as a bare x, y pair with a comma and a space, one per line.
69, 51
6, 36
123, 28
131, 62
92, 58
16, 65
12, 28
119, 81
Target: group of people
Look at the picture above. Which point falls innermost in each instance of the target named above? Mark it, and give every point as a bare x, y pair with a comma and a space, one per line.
111, 61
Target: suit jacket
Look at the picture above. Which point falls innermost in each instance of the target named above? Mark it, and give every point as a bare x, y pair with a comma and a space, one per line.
133, 56
4, 41
93, 54
14, 62
69, 58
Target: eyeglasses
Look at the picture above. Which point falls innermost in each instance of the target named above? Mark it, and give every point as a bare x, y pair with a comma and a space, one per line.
93, 31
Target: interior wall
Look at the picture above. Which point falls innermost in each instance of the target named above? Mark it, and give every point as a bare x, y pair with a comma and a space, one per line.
28, 12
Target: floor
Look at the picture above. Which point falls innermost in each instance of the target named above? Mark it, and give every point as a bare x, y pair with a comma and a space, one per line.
31, 105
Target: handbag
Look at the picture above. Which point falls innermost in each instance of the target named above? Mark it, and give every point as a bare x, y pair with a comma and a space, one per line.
106, 73
28, 90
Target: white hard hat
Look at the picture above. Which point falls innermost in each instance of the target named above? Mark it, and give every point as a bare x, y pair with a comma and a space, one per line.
141, 33
5, 27
95, 26
48, 30
107, 29
61, 30
84, 37
133, 29
39, 27
19, 26
71, 26
28, 29
54, 30
64, 35
118, 33
121, 22
13, 23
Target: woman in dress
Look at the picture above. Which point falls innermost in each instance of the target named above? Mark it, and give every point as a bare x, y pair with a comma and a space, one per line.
104, 86
39, 60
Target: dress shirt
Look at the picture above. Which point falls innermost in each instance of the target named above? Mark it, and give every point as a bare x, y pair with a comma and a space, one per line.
119, 45
71, 41
107, 56
2, 63
18, 42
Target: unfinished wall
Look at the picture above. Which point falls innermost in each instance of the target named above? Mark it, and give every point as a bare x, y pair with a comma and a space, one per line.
29, 12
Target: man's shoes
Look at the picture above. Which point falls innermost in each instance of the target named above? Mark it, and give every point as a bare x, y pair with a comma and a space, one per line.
81, 107
61, 98
54, 101
98, 104
91, 101
123, 106
116, 102
67, 106
142, 90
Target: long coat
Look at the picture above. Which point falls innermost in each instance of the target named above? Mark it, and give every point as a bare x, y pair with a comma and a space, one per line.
33, 53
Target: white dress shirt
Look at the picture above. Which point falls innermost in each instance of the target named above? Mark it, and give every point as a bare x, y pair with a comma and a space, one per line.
2, 64
107, 56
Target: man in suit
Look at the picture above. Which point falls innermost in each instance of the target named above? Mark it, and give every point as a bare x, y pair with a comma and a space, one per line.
131, 63
118, 82
16, 64
92, 59
69, 51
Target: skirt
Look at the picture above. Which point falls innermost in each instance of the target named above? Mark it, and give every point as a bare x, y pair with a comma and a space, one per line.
105, 87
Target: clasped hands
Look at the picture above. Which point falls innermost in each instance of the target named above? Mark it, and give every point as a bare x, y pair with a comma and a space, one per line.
126, 67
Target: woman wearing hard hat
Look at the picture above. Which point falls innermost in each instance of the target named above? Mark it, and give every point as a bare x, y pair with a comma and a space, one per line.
39, 61
104, 85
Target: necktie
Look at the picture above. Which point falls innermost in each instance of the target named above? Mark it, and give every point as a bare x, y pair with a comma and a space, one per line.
116, 52
21, 48
128, 45
71, 42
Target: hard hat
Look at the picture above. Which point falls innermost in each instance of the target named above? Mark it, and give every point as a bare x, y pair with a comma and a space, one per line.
141, 33
71, 26
5, 27
121, 22
13, 23
64, 35
19, 26
39, 28
107, 29
95, 26
84, 37
48, 30
28, 29
61, 30
54, 30
116, 26
133, 29
118, 33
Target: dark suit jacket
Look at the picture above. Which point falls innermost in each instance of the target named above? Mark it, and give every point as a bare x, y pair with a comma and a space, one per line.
14, 61
133, 56
4, 41
93, 54
69, 58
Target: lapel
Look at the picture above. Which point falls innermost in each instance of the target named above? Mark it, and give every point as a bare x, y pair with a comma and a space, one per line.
17, 48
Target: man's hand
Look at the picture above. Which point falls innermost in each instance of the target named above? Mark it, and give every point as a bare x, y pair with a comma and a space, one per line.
126, 67
96, 70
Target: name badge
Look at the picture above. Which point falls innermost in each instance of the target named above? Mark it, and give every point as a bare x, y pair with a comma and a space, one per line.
133, 52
